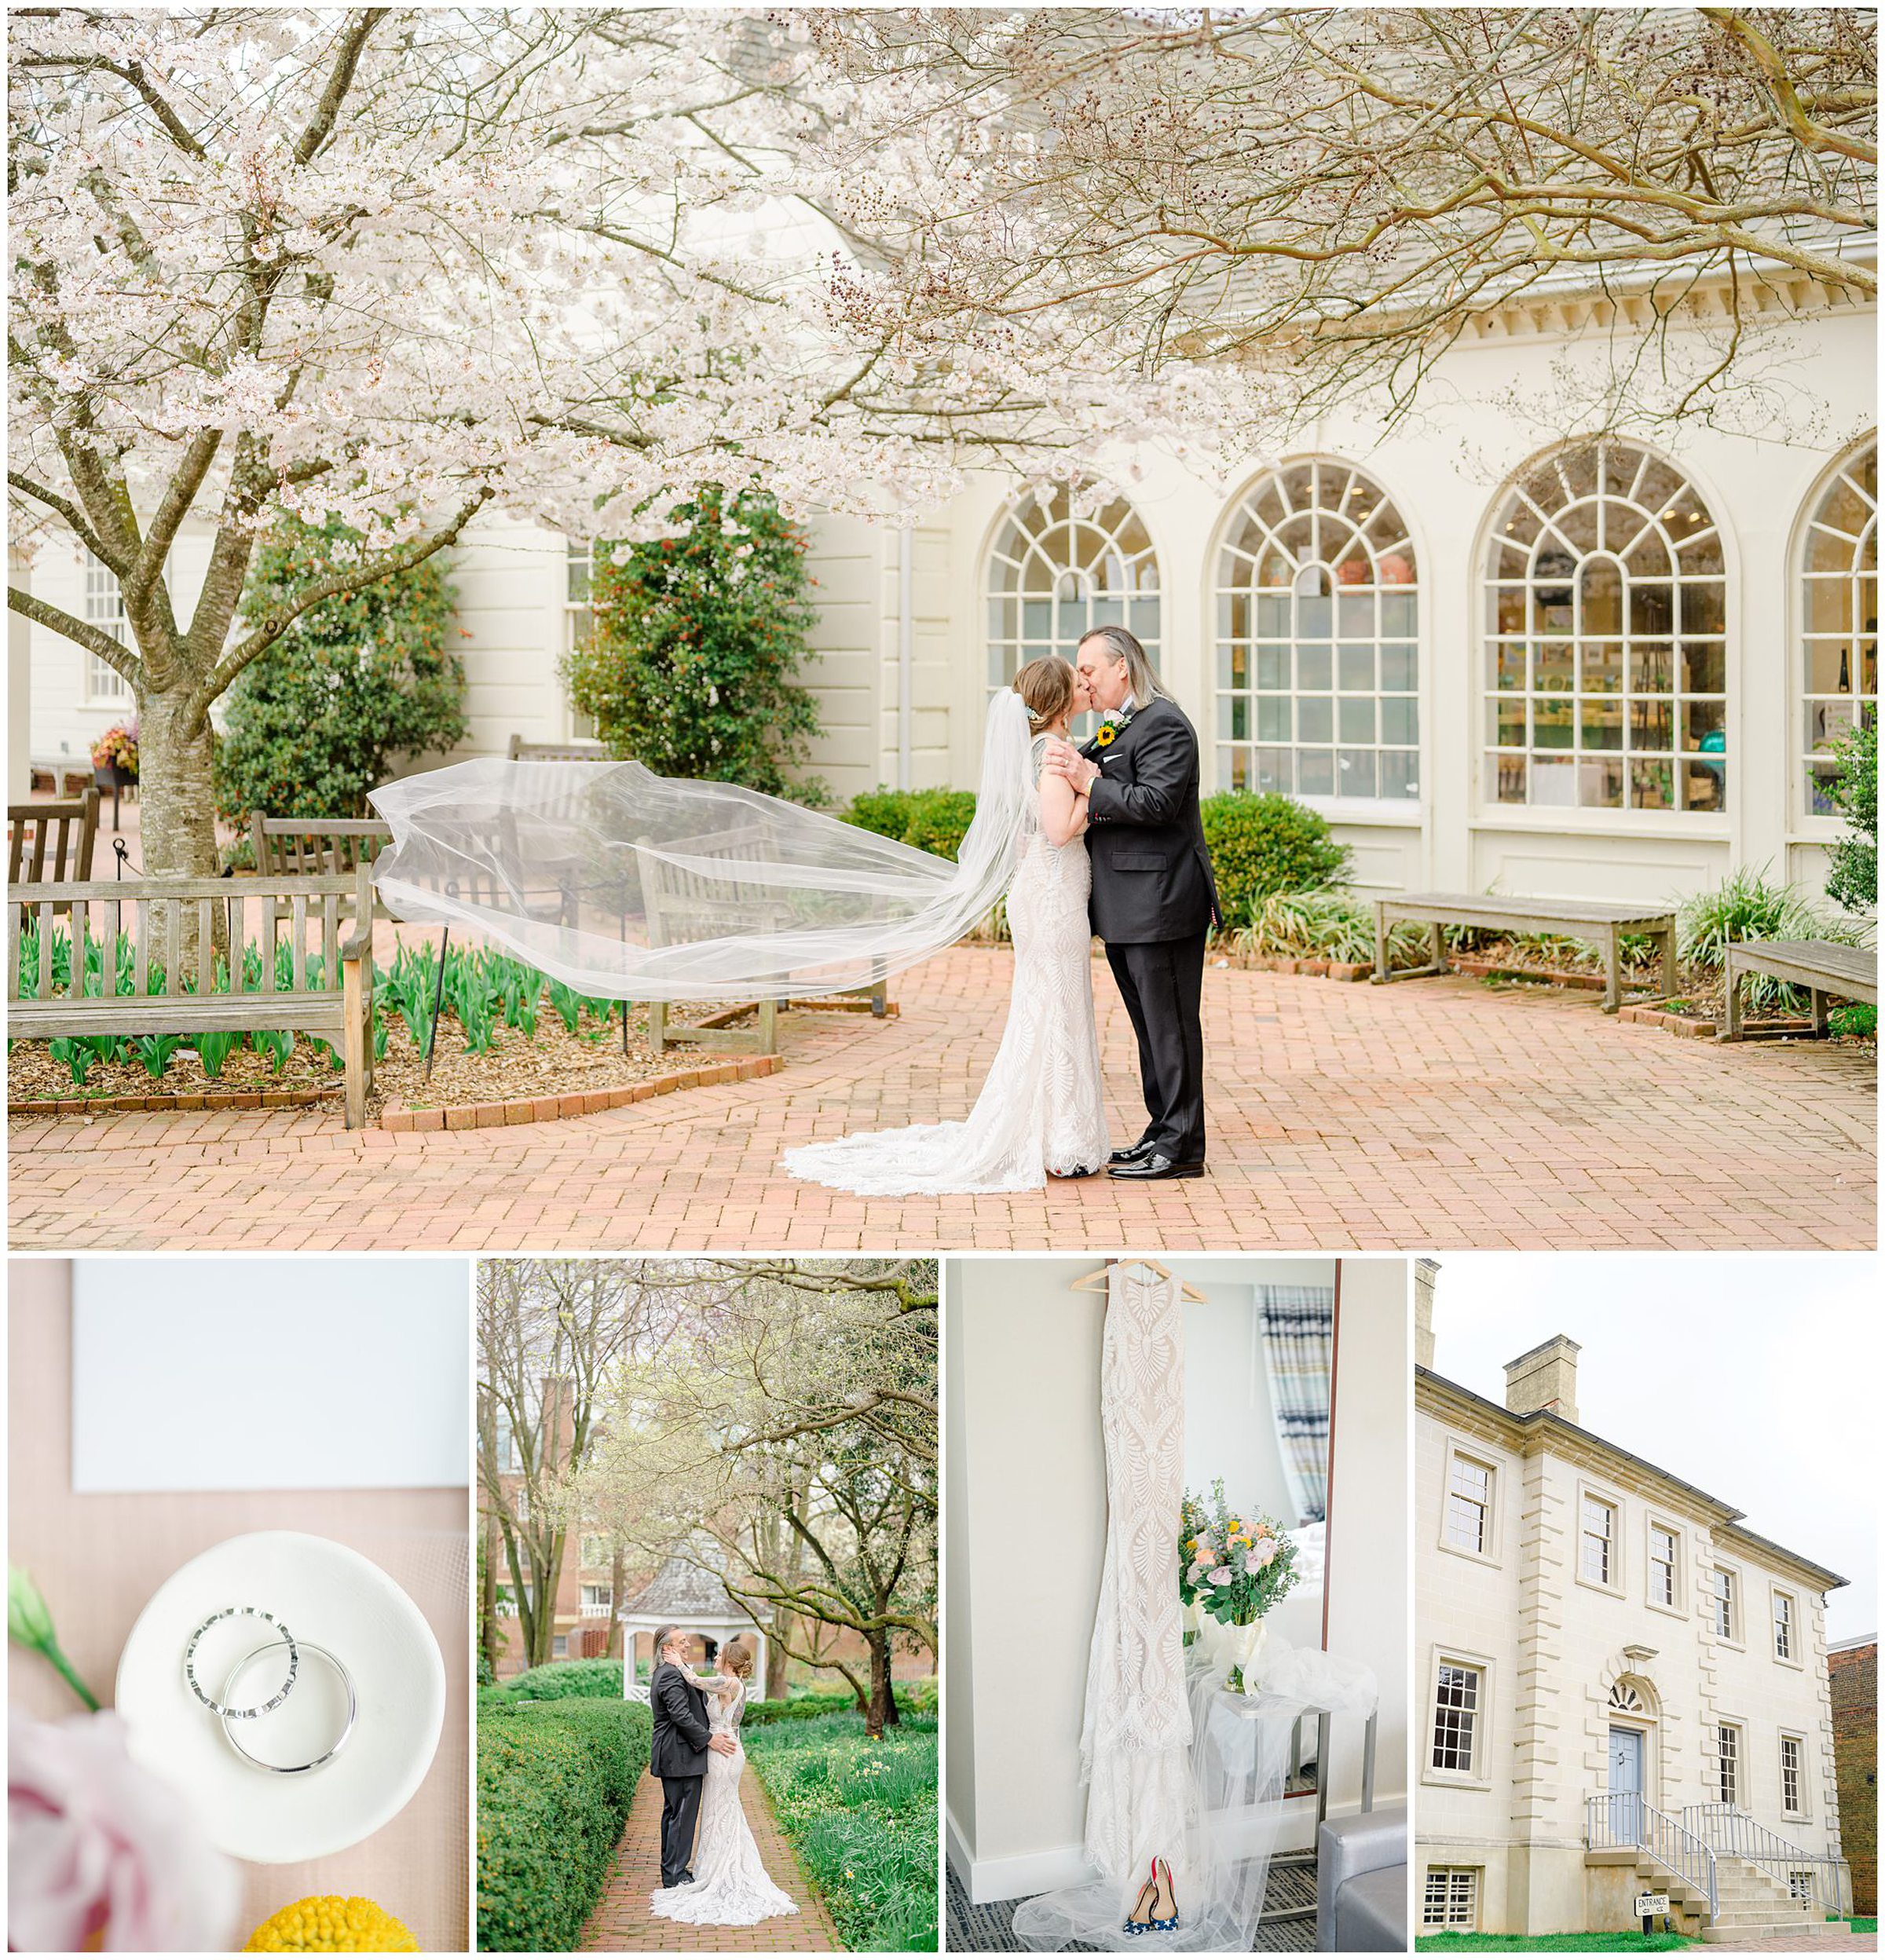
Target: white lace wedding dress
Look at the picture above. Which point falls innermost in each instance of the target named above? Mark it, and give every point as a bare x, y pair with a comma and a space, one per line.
731, 1887
1041, 1109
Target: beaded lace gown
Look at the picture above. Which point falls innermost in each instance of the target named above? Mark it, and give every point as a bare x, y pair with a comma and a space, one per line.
731, 1887
1041, 1109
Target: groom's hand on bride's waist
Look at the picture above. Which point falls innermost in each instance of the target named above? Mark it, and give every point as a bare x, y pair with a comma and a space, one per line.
724, 1744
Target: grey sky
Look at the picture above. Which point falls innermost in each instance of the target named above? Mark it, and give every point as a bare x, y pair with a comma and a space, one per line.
1752, 1375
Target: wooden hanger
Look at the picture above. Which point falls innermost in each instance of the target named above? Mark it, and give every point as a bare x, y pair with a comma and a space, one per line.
1096, 1282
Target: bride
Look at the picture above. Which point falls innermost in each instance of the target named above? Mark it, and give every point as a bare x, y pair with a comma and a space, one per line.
731, 1887
1041, 1112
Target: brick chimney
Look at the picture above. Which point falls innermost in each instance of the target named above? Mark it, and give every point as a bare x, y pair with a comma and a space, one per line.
1545, 1378
1426, 1272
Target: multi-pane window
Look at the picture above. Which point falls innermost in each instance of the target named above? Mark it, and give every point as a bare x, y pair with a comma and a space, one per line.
1783, 1626
104, 606
1318, 667
1456, 1716
1724, 1603
508, 1457
1606, 649
597, 1601
593, 1548
1790, 1775
1451, 1898
1469, 1504
579, 570
559, 1647
1597, 1557
1055, 572
1839, 618
1662, 1566
1727, 1763
1799, 1886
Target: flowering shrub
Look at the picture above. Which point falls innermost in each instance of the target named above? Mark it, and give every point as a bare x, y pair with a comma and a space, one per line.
117, 748
692, 666
354, 684
1233, 1565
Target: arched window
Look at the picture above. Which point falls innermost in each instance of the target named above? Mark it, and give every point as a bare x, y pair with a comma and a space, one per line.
1839, 616
1606, 651
1317, 665
1053, 574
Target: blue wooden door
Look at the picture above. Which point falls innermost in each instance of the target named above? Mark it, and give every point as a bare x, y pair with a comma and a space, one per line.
1626, 1786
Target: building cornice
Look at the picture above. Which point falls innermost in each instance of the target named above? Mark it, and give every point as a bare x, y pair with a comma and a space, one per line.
1540, 1431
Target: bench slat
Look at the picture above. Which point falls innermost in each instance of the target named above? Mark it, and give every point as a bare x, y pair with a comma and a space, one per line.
1808, 963
1475, 909
320, 1014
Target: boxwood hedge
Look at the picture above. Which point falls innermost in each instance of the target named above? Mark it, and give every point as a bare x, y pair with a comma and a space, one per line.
554, 1780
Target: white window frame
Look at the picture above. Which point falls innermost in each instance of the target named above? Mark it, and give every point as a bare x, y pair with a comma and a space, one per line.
509, 1459
1612, 1583
1515, 565
1487, 1552
102, 605
1809, 702
1678, 1605
1477, 1775
1456, 1898
593, 1541
596, 1599
1775, 1595
1730, 1764
1799, 1810
1736, 1632
1130, 590
559, 1647
1352, 520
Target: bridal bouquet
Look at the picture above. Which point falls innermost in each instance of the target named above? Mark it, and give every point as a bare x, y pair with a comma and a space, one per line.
1233, 1566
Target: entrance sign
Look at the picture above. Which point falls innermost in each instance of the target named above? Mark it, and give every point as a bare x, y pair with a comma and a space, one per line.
1649, 1903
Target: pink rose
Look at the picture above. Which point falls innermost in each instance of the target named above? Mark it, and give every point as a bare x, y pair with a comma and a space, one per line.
102, 1854
1223, 1576
1260, 1559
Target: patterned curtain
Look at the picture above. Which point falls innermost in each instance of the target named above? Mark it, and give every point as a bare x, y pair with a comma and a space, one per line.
1298, 1327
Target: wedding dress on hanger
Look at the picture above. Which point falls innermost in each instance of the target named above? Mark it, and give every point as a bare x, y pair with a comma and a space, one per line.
731, 1887
1178, 1769
1042, 1108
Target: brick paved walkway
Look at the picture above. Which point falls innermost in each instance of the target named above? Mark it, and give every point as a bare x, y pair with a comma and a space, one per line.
622, 1922
1439, 1114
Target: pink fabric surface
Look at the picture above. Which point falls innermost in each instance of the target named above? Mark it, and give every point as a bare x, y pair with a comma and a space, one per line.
98, 1559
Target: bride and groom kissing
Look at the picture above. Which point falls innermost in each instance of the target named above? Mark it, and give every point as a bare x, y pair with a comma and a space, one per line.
712, 1873
1111, 843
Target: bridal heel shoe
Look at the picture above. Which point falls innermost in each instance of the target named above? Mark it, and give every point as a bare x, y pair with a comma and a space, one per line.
1156, 1908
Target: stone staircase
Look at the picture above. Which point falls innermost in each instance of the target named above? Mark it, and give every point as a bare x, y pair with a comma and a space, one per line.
1752, 1904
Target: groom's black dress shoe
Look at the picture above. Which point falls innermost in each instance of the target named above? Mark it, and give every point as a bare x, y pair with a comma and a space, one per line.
1146, 1168
1133, 1152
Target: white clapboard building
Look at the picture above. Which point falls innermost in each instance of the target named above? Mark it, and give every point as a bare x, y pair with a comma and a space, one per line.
1621, 1690
1496, 654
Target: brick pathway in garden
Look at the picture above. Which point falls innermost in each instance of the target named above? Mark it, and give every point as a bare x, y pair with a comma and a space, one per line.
622, 1922
1441, 1113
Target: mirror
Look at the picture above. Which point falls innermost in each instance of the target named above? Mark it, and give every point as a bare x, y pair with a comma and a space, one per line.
1258, 1371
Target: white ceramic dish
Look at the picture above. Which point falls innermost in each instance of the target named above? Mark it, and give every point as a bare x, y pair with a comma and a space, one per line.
324, 1592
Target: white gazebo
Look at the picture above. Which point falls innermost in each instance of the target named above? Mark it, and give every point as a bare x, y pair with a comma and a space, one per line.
688, 1593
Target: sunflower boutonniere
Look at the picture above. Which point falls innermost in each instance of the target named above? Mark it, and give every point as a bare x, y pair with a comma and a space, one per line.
1110, 729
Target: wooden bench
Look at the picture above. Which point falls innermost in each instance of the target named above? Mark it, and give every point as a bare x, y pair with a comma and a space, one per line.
315, 847
573, 750
1600, 923
680, 905
1825, 969
49, 842
325, 919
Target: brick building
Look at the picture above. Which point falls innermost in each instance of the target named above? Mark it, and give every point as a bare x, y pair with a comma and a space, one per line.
1854, 1667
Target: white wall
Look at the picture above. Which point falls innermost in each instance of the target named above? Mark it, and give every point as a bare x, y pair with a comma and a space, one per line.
1026, 1525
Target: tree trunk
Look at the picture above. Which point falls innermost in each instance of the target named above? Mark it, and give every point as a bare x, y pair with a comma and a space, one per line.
489, 1640
883, 1708
776, 1658
618, 1579
177, 790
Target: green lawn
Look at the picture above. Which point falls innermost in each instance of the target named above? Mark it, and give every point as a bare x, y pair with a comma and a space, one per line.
1554, 1942
1866, 1925
861, 1815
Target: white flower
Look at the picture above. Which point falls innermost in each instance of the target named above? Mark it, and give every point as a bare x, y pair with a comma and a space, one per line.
1221, 1575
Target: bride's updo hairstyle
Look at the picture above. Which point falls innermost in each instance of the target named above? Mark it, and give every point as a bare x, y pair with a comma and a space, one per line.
1046, 688
736, 1658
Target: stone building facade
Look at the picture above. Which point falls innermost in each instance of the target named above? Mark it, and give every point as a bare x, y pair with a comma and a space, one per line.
1620, 1686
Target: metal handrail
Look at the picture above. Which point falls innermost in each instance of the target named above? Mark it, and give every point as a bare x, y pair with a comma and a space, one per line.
1625, 1822
1731, 1830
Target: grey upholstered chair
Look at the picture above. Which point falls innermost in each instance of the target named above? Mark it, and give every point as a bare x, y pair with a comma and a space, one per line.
1361, 1883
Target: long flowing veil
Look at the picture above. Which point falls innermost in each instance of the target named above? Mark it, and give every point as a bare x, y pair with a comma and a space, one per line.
627, 885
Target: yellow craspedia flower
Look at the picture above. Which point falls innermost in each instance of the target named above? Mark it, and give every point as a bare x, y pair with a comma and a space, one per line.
331, 1925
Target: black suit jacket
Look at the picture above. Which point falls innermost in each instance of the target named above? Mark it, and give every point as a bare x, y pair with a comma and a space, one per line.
1151, 868
681, 1727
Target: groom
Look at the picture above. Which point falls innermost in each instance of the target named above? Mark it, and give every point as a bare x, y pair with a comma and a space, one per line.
1154, 899
682, 1736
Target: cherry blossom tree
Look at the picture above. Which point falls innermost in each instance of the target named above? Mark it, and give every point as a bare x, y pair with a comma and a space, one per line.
394, 267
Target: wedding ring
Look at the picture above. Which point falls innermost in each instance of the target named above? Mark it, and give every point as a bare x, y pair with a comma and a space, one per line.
340, 1742
220, 1707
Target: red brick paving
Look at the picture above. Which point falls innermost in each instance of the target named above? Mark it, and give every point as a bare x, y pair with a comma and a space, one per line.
622, 1922
1439, 1113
